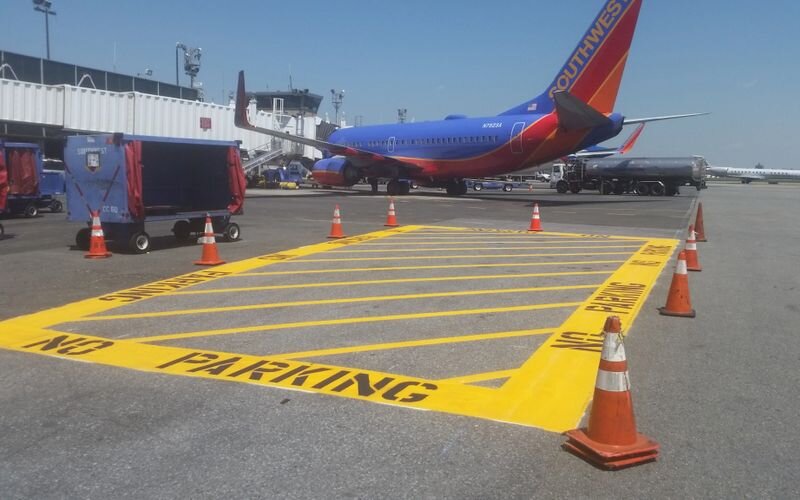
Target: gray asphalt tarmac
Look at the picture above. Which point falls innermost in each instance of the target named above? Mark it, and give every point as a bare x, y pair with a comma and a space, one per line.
719, 393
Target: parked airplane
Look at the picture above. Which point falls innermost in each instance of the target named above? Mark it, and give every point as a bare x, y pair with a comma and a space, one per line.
603, 152
573, 113
772, 175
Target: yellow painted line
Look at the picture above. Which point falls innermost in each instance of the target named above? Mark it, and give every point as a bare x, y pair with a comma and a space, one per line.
386, 281
427, 257
415, 268
353, 321
394, 242
351, 300
96, 305
414, 343
551, 390
404, 250
544, 234
480, 377
354, 383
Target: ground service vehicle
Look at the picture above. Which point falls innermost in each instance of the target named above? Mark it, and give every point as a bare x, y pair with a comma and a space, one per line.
131, 180
22, 170
642, 176
481, 184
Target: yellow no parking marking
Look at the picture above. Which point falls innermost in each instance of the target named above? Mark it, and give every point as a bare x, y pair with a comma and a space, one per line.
550, 390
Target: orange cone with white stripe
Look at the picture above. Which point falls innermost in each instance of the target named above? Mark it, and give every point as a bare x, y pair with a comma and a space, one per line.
97, 242
391, 217
679, 302
336, 225
210, 256
692, 262
536, 223
698, 224
610, 440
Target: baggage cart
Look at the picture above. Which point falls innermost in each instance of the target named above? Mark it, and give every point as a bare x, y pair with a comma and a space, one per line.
131, 180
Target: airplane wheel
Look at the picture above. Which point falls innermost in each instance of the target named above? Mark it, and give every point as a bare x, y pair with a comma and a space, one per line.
405, 188
393, 187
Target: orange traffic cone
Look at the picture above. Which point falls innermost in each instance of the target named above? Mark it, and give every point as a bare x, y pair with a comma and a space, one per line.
97, 242
336, 225
536, 223
698, 224
692, 263
679, 303
391, 218
610, 441
209, 257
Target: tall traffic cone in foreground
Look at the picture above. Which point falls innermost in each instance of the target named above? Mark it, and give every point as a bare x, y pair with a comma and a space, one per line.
336, 225
209, 257
610, 441
536, 223
698, 224
679, 303
692, 262
391, 217
97, 242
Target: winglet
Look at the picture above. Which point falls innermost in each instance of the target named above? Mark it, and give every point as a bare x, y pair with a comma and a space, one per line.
240, 117
574, 114
630, 141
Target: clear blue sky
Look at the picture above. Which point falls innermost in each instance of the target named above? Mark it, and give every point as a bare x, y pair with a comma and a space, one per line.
737, 59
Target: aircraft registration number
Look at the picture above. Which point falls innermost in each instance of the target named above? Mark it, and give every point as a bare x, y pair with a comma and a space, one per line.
493, 125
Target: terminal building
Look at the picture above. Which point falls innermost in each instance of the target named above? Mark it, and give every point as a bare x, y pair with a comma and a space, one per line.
44, 101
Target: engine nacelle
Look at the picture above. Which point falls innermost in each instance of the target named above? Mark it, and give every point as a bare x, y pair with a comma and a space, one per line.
336, 171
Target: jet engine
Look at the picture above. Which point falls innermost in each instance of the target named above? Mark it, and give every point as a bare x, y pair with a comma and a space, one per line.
336, 171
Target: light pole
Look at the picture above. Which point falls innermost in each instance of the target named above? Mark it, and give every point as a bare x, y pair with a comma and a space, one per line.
44, 6
178, 46
336, 99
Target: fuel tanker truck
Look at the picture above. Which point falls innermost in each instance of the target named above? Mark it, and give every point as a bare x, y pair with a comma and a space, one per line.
642, 176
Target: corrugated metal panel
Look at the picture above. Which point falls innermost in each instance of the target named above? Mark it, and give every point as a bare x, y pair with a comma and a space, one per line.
31, 103
97, 110
92, 110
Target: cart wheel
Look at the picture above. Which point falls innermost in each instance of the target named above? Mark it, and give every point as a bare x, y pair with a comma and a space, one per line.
82, 238
139, 242
507, 188
31, 210
56, 206
231, 232
182, 230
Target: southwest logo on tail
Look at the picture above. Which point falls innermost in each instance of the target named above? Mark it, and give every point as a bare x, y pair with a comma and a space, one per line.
575, 112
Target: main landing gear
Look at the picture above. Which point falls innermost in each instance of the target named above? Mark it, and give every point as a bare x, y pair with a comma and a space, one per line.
456, 188
397, 188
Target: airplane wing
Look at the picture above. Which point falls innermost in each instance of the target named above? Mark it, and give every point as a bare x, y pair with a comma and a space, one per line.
359, 157
631, 121
601, 152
